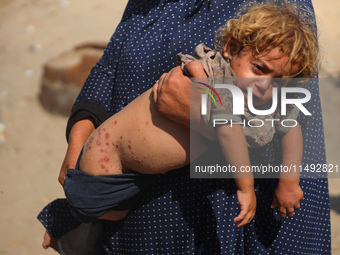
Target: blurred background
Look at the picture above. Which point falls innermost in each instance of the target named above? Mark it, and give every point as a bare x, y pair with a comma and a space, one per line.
38, 35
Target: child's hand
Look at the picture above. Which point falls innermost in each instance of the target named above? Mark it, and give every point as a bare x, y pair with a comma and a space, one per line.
247, 201
287, 198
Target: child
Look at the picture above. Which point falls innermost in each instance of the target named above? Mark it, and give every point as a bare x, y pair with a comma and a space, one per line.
123, 154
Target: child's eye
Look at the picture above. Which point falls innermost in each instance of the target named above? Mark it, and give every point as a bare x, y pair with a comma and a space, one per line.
258, 69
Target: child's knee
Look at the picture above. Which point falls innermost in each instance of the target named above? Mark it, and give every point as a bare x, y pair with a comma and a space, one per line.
195, 68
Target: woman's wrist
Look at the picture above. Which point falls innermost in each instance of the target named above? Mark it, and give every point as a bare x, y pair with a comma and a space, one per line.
80, 132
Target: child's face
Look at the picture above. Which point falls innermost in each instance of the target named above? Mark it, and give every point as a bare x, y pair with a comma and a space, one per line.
259, 71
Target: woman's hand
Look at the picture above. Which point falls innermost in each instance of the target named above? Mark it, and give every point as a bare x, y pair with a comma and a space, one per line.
79, 134
171, 94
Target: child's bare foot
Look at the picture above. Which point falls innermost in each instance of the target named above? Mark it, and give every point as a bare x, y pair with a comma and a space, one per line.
49, 241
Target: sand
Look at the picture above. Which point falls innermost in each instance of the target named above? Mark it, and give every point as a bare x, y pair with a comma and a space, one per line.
32, 32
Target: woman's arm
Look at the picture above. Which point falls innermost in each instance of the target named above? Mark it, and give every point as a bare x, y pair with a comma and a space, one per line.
78, 136
92, 107
95, 98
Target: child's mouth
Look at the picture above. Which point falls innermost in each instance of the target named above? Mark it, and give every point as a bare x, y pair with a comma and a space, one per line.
256, 96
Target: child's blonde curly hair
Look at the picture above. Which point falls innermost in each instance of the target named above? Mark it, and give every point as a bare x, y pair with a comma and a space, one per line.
266, 26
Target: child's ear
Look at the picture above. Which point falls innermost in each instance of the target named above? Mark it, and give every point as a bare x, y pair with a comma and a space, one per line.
231, 48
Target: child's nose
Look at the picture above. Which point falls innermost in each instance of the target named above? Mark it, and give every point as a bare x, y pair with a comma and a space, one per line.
264, 84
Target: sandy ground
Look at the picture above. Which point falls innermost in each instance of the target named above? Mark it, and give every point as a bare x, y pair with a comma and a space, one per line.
33, 31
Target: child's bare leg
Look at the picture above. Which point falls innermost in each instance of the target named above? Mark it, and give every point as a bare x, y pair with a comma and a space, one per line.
138, 138
114, 215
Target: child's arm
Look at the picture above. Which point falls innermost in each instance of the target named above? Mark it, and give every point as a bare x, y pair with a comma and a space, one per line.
234, 147
288, 193
232, 141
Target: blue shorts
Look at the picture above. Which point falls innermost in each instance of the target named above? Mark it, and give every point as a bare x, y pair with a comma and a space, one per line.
92, 196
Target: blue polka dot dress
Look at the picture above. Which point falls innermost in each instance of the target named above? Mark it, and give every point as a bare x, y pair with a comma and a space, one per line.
176, 214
